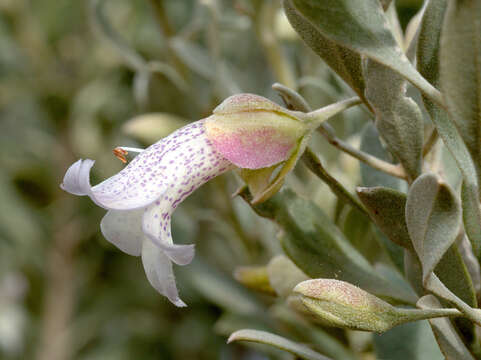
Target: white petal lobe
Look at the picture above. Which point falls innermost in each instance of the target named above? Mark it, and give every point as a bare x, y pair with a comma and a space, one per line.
72, 180
123, 228
158, 269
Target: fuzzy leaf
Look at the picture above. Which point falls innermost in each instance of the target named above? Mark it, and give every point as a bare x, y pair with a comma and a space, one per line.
363, 28
428, 60
398, 118
427, 52
446, 335
318, 247
386, 208
315, 165
460, 79
149, 128
359, 230
346, 63
264, 337
413, 341
460, 71
325, 343
284, 275
433, 218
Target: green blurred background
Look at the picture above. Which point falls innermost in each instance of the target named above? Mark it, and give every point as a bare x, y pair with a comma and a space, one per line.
74, 76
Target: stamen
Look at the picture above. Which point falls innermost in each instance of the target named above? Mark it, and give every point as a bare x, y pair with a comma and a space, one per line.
120, 152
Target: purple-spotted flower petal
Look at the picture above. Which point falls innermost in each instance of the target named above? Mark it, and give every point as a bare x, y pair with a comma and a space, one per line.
245, 131
142, 197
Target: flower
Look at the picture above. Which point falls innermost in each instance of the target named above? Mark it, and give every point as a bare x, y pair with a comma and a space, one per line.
245, 131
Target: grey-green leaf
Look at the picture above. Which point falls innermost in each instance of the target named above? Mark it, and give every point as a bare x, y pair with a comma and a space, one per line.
362, 27
346, 63
413, 341
264, 337
427, 53
386, 208
433, 218
460, 71
312, 241
284, 275
398, 118
446, 335
428, 60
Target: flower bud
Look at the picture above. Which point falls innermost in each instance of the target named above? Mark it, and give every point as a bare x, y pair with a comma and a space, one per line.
338, 303
254, 277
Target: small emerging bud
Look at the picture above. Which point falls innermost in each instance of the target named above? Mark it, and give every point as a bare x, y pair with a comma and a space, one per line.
338, 303
254, 277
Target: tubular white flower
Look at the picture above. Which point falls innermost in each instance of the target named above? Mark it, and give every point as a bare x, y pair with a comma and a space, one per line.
142, 197
245, 131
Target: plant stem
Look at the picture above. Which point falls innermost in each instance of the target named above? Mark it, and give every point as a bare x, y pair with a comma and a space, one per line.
316, 117
374, 162
264, 25
315, 165
432, 139
168, 32
295, 100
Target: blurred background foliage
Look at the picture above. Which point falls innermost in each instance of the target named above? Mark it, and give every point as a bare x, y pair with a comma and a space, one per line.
74, 78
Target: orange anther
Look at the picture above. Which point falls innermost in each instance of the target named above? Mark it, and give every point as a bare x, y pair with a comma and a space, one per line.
120, 154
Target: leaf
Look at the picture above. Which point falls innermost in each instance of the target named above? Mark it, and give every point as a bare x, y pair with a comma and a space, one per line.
363, 28
105, 29
319, 249
194, 56
150, 127
472, 264
346, 63
220, 289
413, 341
428, 60
460, 71
433, 218
446, 335
284, 275
427, 53
201, 62
371, 144
264, 337
452, 271
398, 118
460, 80
386, 208
315, 165
359, 230
323, 341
